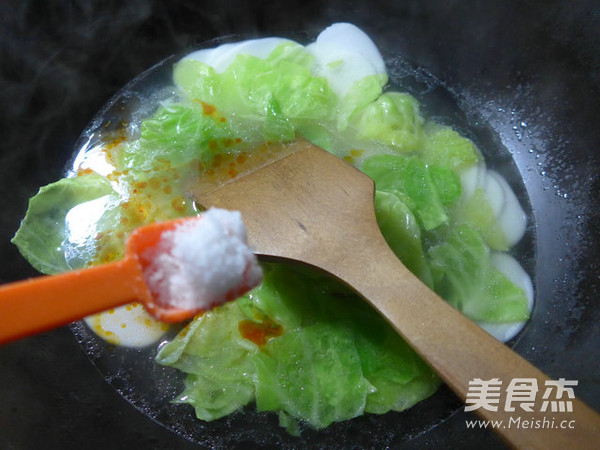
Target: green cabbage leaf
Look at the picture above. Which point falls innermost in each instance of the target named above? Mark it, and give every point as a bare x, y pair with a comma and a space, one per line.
63, 219
465, 277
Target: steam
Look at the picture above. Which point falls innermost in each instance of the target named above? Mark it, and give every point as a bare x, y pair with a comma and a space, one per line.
58, 67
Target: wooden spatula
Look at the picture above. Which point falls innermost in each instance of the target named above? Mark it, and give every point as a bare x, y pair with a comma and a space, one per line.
314, 208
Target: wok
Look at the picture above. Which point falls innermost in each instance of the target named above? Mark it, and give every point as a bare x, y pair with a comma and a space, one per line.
521, 77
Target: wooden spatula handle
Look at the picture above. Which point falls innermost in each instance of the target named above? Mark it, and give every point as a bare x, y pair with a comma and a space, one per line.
39, 304
460, 351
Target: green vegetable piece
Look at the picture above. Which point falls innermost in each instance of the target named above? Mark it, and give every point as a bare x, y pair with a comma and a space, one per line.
446, 182
285, 296
398, 374
198, 80
317, 133
217, 362
361, 93
44, 235
445, 147
335, 64
402, 233
178, 134
312, 374
300, 94
393, 119
250, 84
466, 278
413, 178
278, 126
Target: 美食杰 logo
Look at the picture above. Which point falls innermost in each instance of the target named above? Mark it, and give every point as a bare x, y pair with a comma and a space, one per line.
521, 396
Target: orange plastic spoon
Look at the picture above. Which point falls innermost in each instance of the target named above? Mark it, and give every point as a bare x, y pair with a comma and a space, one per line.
39, 304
